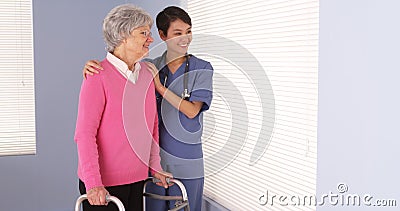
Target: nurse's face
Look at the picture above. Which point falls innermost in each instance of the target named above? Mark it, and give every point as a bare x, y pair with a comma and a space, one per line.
178, 37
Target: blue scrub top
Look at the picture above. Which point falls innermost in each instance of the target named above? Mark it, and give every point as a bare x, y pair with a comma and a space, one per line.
180, 137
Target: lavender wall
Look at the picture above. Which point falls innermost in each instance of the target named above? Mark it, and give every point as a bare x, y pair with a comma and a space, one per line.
66, 34
358, 125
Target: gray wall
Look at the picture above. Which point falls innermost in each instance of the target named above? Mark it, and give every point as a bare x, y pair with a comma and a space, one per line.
359, 73
66, 34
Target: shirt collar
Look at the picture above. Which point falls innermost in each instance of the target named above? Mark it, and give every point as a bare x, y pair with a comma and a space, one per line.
121, 65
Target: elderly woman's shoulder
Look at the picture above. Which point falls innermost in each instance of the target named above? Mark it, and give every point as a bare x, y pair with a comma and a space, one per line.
102, 73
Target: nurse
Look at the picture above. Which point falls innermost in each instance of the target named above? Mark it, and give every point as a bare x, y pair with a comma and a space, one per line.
184, 91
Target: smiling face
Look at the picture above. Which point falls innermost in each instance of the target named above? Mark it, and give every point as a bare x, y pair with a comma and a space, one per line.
178, 37
138, 42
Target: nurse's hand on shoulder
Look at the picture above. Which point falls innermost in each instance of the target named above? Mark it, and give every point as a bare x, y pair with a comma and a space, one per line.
162, 176
154, 71
91, 67
97, 196
152, 68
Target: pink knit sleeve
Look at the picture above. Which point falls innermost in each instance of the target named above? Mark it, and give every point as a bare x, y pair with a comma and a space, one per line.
154, 163
90, 110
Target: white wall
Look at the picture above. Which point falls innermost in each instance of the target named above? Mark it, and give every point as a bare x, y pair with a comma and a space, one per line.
359, 103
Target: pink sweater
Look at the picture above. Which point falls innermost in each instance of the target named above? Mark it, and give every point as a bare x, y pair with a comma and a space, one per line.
117, 128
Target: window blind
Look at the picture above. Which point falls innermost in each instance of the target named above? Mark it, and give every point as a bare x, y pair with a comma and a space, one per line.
17, 107
265, 57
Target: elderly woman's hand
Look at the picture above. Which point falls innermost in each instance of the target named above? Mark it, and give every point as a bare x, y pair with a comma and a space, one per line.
97, 196
162, 176
91, 67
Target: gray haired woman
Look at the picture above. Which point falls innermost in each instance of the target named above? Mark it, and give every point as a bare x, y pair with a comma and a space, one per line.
117, 124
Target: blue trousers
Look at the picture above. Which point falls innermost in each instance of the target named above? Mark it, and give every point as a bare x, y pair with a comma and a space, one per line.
194, 189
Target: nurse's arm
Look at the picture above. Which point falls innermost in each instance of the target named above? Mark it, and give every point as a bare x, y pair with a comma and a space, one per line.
190, 109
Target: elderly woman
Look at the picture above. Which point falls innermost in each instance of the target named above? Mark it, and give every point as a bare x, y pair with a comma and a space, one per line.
117, 124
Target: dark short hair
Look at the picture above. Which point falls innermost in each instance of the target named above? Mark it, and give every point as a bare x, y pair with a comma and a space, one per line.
171, 14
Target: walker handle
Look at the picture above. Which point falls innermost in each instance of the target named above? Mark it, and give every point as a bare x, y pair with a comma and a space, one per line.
168, 180
108, 199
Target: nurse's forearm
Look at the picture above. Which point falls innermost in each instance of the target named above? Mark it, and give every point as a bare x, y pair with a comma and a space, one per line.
190, 109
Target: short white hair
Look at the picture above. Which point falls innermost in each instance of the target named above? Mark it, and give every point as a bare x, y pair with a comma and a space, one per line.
121, 21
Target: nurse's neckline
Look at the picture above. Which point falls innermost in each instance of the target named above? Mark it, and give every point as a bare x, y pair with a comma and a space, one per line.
175, 64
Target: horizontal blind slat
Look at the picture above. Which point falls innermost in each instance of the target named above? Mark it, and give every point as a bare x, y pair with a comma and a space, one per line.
17, 109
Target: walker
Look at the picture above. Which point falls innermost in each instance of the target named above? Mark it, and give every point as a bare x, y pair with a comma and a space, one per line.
182, 201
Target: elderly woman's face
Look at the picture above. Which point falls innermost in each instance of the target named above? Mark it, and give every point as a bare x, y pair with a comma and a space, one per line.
178, 37
139, 40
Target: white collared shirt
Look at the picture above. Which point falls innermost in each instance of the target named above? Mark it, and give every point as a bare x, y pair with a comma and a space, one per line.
122, 67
